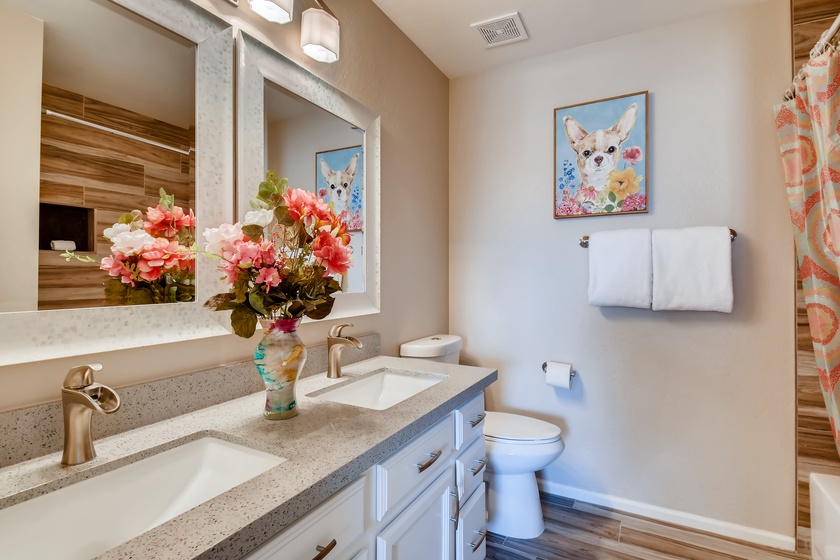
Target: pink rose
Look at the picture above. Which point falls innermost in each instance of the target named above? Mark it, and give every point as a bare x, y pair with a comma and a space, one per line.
632, 155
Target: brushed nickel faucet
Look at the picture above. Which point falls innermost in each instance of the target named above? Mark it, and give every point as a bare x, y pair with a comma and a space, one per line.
80, 396
335, 343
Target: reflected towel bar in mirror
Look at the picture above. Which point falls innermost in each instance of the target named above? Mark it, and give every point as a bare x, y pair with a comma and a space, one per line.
584, 240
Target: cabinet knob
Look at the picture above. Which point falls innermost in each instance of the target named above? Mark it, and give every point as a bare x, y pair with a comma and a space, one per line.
324, 550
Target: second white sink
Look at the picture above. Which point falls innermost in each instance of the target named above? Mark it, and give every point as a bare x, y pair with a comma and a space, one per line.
381, 390
86, 519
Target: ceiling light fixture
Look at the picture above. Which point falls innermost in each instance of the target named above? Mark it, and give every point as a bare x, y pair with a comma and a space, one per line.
275, 11
320, 34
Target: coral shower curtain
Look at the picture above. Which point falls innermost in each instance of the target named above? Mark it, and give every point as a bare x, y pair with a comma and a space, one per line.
809, 138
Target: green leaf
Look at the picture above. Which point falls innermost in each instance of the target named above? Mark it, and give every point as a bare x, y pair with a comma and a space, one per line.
221, 302
272, 177
125, 219
253, 232
244, 321
140, 296
281, 214
609, 208
257, 301
322, 310
115, 292
620, 203
611, 196
240, 288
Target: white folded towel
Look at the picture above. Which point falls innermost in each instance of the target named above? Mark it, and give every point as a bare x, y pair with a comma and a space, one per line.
619, 268
692, 269
62, 245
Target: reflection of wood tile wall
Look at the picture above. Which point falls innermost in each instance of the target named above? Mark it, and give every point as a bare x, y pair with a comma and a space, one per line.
816, 451
85, 167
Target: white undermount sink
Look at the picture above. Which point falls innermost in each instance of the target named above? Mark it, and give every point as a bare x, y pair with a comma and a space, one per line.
381, 390
87, 518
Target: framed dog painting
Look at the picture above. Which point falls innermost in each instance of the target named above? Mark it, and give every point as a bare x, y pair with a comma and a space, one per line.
600, 163
339, 181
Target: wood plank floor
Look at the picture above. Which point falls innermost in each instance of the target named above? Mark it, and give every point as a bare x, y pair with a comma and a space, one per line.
580, 531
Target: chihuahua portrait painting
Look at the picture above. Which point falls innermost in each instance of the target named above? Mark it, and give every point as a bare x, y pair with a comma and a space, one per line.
599, 157
339, 182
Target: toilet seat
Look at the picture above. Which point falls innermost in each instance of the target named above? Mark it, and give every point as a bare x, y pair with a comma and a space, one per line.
504, 427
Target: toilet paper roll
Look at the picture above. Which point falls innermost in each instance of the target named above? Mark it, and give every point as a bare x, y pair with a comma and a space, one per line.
62, 245
558, 374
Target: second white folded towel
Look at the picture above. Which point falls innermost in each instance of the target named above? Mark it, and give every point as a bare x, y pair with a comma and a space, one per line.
620, 268
692, 269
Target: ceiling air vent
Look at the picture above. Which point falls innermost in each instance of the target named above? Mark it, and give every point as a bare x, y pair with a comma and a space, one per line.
503, 30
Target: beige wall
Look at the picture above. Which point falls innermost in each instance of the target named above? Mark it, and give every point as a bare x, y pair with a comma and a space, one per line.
676, 414
21, 45
382, 69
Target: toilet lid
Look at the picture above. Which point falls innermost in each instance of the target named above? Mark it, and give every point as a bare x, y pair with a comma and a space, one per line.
514, 427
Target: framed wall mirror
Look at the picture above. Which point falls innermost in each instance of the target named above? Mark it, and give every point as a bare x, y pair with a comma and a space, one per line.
104, 145
322, 140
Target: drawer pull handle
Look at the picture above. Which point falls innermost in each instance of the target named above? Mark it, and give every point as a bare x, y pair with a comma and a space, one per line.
324, 550
474, 546
457, 517
480, 467
477, 420
434, 457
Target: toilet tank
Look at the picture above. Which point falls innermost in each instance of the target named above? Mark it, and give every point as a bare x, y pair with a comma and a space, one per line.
437, 348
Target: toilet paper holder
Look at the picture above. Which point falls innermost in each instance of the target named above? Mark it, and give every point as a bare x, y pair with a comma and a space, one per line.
545, 367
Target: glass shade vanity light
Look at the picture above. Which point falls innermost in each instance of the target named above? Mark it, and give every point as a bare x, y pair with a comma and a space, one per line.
319, 34
275, 11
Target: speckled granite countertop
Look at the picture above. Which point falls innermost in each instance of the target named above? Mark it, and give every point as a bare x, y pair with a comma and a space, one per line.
327, 446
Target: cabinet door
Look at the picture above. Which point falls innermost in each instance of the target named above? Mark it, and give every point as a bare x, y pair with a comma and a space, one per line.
472, 528
424, 530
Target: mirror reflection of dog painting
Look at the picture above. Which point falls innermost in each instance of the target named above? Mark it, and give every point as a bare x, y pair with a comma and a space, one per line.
339, 184
599, 157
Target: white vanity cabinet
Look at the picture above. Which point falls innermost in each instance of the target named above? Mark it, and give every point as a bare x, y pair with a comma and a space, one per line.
425, 529
330, 532
424, 502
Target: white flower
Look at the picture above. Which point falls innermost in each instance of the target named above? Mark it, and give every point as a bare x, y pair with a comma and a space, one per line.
131, 242
112, 232
220, 238
258, 217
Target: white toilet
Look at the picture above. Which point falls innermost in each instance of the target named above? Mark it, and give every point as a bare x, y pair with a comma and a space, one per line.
517, 446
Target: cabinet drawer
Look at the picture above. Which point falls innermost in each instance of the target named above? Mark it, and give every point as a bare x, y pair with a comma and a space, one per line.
469, 422
341, 518
472, 528
410, 470
469, 469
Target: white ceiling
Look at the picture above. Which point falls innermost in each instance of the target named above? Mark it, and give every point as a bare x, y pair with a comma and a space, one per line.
441, 28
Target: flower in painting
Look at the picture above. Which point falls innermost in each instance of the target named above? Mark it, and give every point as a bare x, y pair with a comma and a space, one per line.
634, 202
588, 193
322, 193
632, 155
623, 183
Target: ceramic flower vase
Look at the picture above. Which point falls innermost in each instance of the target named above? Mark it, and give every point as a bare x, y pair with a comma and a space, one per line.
279, 358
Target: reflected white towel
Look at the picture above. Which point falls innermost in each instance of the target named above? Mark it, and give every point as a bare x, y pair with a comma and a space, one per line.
620, 268
692, 269
62, 245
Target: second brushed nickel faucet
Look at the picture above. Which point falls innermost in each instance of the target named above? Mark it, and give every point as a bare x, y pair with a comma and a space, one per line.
80, 397
335, 343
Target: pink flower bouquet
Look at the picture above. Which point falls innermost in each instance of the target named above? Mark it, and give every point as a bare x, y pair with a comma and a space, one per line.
281, 261
153, 258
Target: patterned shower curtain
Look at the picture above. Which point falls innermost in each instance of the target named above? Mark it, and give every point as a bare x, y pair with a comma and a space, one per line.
809, 138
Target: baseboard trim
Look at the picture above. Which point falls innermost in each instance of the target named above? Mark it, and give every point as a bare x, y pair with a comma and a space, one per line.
716, 526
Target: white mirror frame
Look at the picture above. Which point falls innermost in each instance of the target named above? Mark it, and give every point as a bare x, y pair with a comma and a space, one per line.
41, 335
258, 63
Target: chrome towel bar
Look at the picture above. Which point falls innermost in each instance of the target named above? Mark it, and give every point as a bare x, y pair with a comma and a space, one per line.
584, 240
